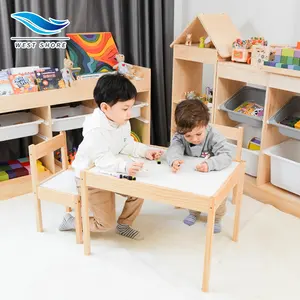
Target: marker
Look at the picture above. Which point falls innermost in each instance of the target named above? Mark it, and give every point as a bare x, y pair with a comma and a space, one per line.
117, 175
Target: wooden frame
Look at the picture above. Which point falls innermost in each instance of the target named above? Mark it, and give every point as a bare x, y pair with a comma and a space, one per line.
40, 192
280, 86
40, 104
170, 196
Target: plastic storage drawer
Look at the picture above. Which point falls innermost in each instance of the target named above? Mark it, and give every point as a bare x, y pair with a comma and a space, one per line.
18, 125
285, 165
292, 109
249, 156
249, 94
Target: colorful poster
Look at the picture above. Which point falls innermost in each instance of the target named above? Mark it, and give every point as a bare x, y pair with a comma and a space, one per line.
92, 52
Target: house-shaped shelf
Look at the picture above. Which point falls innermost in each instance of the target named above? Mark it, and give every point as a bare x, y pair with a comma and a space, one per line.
218, 27
188, 60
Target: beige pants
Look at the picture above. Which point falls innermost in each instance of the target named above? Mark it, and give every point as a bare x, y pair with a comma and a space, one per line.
220, 212
102, 205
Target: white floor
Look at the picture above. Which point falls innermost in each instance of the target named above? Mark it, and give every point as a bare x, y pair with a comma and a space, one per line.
264, 264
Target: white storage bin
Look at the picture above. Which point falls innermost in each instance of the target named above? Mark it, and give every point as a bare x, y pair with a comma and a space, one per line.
285, 165
18, 125
249, 156
136, 109
75, 117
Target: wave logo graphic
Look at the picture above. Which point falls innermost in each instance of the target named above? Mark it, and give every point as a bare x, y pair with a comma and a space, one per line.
40, 25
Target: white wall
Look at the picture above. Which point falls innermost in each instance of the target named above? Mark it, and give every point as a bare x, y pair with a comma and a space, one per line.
277, 23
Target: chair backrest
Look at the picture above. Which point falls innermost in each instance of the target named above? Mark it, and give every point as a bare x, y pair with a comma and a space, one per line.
44, 148
235, 134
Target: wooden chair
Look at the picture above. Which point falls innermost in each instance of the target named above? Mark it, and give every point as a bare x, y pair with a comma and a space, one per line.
234, 134
60, 187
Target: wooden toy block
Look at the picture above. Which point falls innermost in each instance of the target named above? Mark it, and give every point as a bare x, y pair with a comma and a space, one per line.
298, 45
278, 65
288, 52
297, 125
277, 58
283, 59
291, 67
284, 66
297, 68
272, 63
290, 60
278, 51
296, 61
297, 54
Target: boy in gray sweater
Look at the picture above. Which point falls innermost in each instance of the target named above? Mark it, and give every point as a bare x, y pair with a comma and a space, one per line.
195, 137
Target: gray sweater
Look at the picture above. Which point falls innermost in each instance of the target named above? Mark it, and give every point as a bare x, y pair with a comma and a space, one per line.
214, 145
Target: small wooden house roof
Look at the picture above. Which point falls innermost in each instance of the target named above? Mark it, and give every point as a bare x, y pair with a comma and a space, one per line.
218, 27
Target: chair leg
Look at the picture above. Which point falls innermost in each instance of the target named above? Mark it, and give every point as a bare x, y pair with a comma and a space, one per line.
208, 248
78, 220
38, 212
68, 209
85, 218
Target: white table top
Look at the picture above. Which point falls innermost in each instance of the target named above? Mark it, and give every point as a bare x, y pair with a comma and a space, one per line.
187, 179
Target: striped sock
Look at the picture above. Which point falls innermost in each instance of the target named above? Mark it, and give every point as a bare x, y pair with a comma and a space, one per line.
217, 227
190, 219
127, 231
68, 223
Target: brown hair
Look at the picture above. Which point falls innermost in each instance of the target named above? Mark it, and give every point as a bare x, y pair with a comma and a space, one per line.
190, 114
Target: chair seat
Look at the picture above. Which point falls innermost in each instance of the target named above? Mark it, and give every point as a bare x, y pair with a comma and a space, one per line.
63, 182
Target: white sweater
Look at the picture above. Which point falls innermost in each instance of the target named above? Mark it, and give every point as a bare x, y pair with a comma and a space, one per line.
102, 141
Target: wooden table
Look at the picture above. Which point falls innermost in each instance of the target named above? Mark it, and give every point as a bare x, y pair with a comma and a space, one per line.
187, 189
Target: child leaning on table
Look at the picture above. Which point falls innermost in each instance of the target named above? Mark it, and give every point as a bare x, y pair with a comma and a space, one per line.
194, 137
106, 133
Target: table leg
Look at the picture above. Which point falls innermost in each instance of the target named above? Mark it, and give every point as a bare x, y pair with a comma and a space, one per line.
85, 215
237, 197
208, 247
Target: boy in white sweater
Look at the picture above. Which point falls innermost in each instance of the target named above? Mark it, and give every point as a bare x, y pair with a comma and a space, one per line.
107, 133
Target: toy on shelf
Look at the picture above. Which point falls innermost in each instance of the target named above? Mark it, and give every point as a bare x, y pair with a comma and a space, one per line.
126, 69
250, 109
254, 144
242, 49
66, 72
71, 155
285, 58
188, 41
205, 98
17, 168
202, 42
208, 43
293, 122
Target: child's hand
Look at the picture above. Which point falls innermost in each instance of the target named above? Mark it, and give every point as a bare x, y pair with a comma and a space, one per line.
134, 168
203, 167
154, 154
176, 165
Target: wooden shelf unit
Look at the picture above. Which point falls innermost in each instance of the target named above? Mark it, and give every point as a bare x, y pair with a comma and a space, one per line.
40, 104
279, 90
188, 60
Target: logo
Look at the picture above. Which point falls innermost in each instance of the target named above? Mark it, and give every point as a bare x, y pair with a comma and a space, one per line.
41, 26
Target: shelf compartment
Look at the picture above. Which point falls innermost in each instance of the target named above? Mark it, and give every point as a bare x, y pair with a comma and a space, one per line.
68, 118
249, 156
18, 125
249, 94
285, 165
292, 109
196, 54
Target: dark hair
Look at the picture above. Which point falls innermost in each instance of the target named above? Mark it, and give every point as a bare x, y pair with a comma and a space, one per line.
112, 88
190, 114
